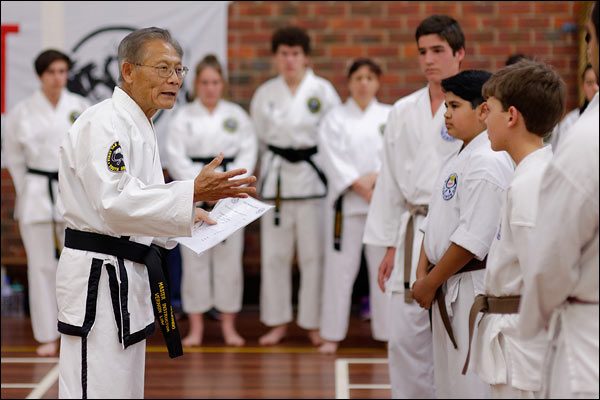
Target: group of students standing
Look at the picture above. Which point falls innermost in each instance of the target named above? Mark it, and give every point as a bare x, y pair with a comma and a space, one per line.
460, 206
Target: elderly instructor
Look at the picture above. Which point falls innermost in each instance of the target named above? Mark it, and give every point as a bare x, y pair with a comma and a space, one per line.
111, 278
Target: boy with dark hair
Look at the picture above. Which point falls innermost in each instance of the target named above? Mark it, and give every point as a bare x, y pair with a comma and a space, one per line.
286, 112
560, 288
416, 143
514, 96
459, 228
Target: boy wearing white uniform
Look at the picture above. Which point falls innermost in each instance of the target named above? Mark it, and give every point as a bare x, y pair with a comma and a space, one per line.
34, 130
286, 112
111, 183
416, 143
199, 132
350, 141
459, 228
560, 288
514, 95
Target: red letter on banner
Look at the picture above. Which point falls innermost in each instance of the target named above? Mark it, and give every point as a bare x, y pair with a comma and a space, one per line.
6, 29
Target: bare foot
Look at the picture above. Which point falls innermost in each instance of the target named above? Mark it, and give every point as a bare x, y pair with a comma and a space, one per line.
233, 339
191, 340
47, 349
328, 347
314, 337
274, 336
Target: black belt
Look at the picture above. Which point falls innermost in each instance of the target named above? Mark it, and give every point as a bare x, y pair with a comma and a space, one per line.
52, 176
141, 254
337, 223
206, 160
294, 156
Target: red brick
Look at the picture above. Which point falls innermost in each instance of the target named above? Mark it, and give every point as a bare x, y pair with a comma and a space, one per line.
515, 7
514, 36
404, 7
380, 51
439, 7
339, 9
254, 8
477, 7
347, 23
495, 50
365, 8
552, 7
346, 51
534, 22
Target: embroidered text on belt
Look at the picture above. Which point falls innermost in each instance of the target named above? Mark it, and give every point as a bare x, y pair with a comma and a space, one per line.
293, 156
52, 176
489, 305
413, 209
149, 256
473, 265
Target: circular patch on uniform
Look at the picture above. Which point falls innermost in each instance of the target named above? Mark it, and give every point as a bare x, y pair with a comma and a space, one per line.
450, 187
314, 105
230, 125
382, 129
445, 135
114, 158
74, 115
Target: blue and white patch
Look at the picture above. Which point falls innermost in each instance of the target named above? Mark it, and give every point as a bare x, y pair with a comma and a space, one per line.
445, 135
450, 186
230, 125
114, 158
74, 115
314, 105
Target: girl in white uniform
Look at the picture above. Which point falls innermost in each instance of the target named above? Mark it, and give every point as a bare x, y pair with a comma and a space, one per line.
200, 131
511, 365
459, 228
34, 130
350, 141
286, 112
560, 288
416, 144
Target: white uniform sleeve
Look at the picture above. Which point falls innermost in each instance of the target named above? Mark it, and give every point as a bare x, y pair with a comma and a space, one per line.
480, 202
332, 99
388, 203
339, 168
181, 166
124, 202
567, 221
13, 151
246, 157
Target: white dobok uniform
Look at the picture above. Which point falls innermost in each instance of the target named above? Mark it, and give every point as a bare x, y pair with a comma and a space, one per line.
464, 210
215, 278
287, 124
111, 183
416, 143
34, 131
561, 283
350, 144
512, 366
561, 130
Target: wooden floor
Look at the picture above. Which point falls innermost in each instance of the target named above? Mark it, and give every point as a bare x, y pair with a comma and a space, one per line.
293, 369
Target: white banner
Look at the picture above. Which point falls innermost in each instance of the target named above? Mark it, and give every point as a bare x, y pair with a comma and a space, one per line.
90, 32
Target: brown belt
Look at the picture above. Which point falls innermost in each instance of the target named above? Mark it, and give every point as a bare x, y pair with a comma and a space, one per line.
473, 265
489, 305
408, 246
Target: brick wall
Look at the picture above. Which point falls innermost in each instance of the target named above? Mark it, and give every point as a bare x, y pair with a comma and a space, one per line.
341, 31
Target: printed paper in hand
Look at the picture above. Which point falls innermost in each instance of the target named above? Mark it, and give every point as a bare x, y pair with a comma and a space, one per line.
231, 214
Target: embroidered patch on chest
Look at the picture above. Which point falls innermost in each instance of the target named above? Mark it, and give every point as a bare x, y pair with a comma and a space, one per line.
314, 105
74, 115
230, 125
445, 135
450, 186
114, 158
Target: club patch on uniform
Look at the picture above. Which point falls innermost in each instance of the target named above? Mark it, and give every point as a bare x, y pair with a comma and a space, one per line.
74, 115
449, 188
445, 135
314, 105
114, 158
230, 125
382, 129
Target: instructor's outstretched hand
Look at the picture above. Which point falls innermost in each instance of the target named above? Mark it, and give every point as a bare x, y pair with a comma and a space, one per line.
210, 185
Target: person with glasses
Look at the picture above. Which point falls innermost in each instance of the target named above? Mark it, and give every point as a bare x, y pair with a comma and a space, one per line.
34, 129
198, 132
110, 283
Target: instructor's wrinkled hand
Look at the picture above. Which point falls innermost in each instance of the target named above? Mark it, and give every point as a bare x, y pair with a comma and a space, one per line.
210, 185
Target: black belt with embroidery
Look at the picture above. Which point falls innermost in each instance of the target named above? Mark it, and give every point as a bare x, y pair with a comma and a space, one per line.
294, 156
151, 257
52, 176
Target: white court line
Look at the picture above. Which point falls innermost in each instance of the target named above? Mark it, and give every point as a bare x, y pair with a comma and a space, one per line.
342, 376
30, 360
45, 384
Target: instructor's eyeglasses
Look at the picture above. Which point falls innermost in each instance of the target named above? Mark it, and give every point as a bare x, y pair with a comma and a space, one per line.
166, 72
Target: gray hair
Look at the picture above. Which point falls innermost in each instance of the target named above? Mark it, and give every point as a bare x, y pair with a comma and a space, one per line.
132, 46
